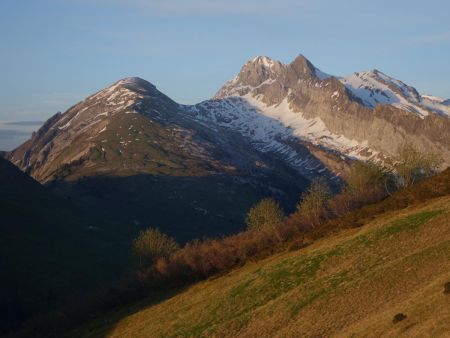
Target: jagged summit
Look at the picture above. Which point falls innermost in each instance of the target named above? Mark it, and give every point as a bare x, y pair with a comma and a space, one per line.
268, 62
264, 61
262, 70
303, 67
371, 88
258, 70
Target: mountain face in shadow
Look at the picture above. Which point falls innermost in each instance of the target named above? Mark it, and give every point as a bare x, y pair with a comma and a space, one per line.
51, 251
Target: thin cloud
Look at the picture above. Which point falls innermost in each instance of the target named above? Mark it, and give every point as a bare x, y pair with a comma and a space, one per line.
432, 39
38, 106
210, 7
59, 99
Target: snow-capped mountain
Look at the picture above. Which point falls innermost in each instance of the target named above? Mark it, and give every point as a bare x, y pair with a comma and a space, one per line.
375, 87
291, 113
365, 115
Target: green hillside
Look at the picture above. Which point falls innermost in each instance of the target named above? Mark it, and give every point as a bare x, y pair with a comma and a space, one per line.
351, 284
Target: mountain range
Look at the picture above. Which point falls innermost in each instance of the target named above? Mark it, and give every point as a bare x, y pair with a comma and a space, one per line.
293, 112
267, 132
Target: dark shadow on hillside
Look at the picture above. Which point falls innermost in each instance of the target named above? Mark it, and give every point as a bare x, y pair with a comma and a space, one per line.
103, 326
49, 252
183, 207
65, 245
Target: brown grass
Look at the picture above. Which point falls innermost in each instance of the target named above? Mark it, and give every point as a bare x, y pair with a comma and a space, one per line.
348, 285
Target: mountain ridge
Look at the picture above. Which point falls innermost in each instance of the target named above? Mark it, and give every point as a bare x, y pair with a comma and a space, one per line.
291, 111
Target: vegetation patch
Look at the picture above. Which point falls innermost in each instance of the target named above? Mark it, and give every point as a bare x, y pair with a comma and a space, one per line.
447, 288
398, 318
409, 223
238, 290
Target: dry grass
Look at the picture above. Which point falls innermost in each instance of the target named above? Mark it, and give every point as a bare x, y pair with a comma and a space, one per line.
351, 284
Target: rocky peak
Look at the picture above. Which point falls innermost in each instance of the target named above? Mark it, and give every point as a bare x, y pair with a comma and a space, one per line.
262, 73
303, 68
264, 61
259, 69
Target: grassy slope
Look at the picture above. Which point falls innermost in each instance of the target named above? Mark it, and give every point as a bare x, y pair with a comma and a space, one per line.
351, 284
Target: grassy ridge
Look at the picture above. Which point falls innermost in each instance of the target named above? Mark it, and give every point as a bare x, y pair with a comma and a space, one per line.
352, 283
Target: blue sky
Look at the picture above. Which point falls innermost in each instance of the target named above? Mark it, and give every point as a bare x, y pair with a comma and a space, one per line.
56, 52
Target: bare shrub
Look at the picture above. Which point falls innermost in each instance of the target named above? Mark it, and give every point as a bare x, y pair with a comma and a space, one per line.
152, 244
313, 203
266, 213
365, 175
411, 164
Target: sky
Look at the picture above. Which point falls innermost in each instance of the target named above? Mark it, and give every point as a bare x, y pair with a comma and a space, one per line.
54, 53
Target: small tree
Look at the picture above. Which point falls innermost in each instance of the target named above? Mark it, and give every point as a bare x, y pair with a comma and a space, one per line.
314, 200
365, 176
411, 164
366, 183
266, 213
152, 244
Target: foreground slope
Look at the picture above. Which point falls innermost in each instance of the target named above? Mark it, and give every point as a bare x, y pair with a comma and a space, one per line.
351, 284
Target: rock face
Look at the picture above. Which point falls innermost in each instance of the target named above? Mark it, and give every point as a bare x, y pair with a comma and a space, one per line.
365, 115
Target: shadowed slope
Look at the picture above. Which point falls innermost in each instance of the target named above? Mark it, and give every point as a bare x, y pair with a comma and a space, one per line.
50, 250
